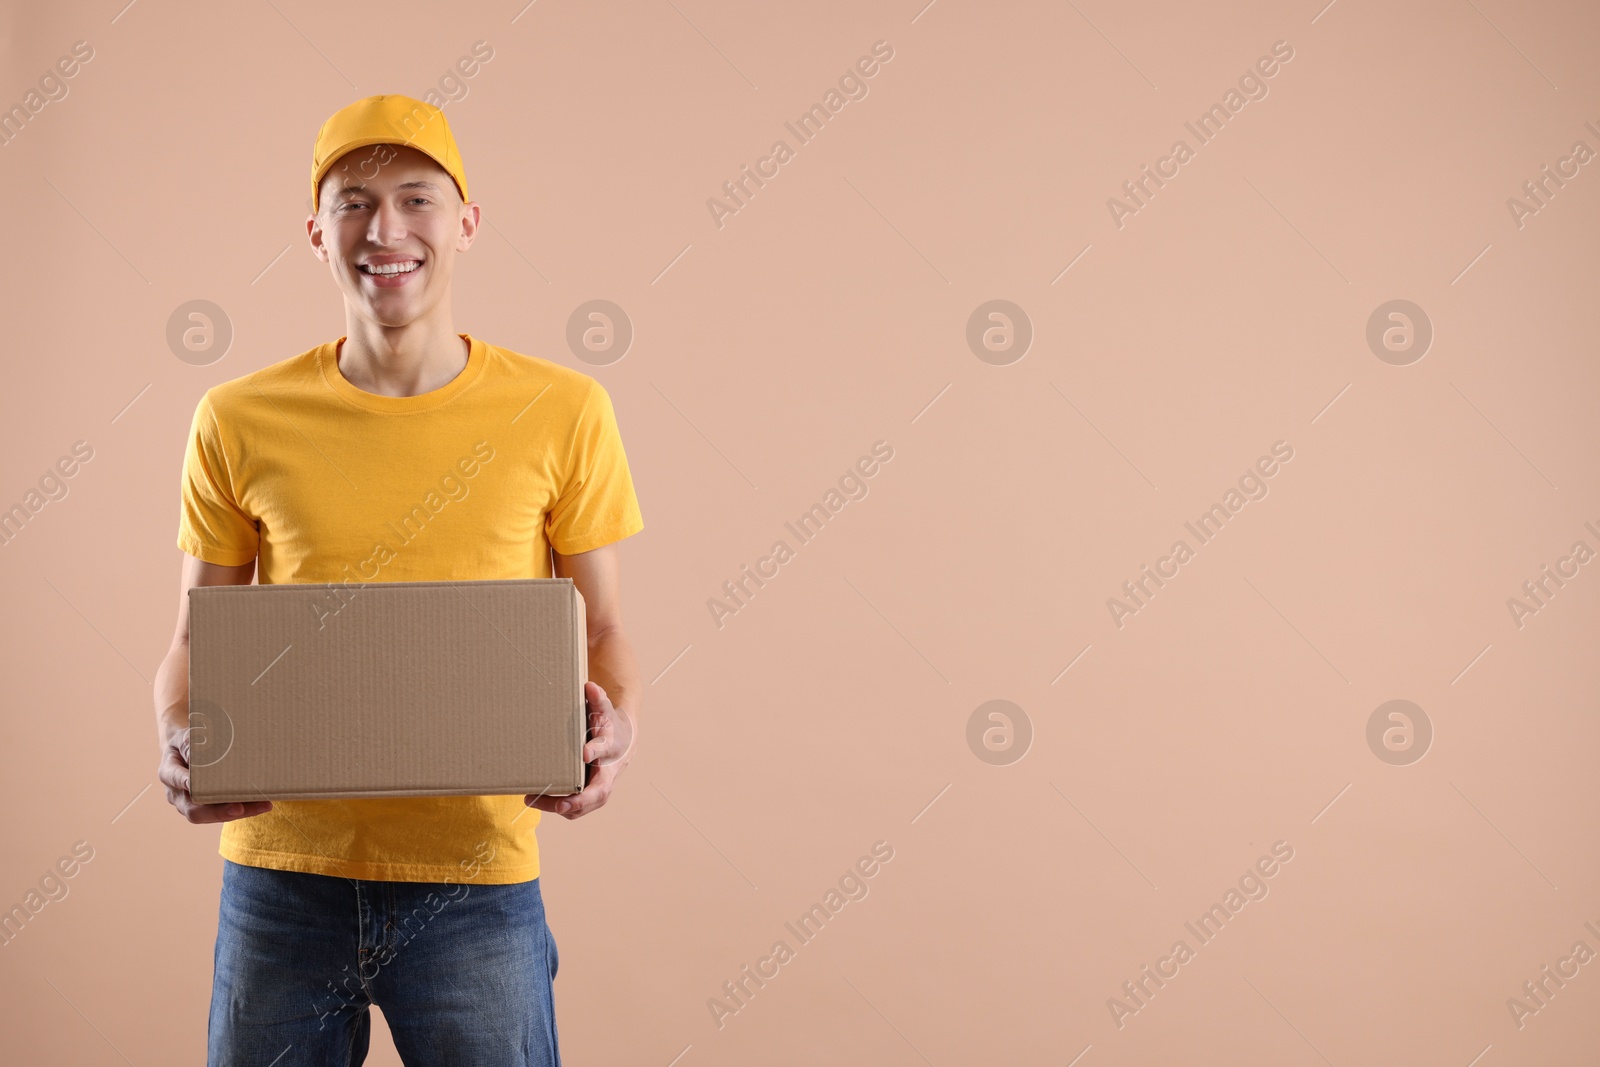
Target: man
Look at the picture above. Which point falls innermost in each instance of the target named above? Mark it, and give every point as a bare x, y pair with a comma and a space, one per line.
429, 907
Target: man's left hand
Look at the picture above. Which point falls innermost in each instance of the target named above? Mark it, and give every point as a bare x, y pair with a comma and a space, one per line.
607, 753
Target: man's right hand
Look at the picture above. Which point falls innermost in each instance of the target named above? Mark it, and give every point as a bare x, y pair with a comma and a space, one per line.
172, 700
174, 774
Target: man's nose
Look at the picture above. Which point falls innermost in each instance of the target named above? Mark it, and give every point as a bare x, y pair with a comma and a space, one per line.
388, 225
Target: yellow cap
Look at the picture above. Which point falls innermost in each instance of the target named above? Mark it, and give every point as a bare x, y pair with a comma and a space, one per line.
387, 119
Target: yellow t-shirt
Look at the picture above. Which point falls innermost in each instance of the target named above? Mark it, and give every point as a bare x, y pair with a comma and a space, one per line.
320, 481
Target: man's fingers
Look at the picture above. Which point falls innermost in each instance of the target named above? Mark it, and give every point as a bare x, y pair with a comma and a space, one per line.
603, 748
173, 771
175, 778
554, 805
593, 796
198, 813
613, 737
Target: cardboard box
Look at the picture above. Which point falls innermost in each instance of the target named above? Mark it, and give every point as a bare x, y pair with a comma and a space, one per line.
386, 689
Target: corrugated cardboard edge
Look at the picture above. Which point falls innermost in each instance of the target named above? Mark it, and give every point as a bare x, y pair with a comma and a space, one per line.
581, 629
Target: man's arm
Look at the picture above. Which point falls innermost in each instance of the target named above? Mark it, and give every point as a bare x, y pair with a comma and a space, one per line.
172, 700
613, 690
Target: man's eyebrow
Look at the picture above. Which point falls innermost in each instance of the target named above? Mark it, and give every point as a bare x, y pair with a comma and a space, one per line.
352, 188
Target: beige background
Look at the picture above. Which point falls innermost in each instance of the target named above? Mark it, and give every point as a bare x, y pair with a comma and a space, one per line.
832, 711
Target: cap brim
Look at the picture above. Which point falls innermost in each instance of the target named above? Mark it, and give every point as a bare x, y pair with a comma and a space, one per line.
367, 142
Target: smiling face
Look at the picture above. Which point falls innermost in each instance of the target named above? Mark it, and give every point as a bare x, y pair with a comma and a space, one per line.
389, 224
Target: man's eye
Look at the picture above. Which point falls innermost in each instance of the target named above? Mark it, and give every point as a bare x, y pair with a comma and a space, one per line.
424, 199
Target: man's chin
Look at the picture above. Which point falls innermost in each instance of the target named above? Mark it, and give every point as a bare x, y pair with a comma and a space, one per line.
392, 312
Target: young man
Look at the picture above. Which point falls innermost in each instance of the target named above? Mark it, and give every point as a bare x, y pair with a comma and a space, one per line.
328, 467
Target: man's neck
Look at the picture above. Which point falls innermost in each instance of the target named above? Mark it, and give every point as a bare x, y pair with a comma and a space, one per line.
402, 361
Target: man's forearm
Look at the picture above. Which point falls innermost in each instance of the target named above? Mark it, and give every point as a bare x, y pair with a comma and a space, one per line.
613, 666
172, 694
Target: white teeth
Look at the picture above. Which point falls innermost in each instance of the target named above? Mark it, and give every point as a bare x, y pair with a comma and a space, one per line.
392, 268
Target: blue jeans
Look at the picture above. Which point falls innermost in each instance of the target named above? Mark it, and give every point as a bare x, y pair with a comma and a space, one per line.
463, 973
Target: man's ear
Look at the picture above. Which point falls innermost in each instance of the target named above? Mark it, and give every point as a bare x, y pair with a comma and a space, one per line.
471, 220
314, 233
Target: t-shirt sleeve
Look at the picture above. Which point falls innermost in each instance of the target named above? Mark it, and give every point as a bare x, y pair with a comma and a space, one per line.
596, 504
211, 524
